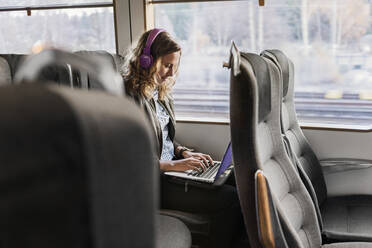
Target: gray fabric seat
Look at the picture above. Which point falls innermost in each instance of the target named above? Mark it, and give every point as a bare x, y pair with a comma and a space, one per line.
347, 218
103, 77
172, 233
57, 74
255, 100
87, 81
78, 171
71, 173
60, 74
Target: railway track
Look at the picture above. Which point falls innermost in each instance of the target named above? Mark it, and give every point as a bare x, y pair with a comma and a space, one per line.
312, 106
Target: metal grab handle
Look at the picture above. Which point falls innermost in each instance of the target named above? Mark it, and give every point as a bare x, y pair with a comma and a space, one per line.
98, 68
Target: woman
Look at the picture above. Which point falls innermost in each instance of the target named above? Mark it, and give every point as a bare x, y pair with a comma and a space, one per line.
149, 76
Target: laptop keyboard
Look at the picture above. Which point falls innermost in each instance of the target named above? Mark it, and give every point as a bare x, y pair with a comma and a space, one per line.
208, 173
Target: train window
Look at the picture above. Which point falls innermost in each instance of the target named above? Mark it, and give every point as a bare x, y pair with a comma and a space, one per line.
71, 25
329, 41
51, 3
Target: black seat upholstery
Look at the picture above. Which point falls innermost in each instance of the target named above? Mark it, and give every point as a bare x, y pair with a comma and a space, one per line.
92, 119
77, 171
59, 74
345, 218
71, 173
49, 60
258, 145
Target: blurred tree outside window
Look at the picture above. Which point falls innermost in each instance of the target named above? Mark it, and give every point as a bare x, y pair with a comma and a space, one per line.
89, 27
329, 42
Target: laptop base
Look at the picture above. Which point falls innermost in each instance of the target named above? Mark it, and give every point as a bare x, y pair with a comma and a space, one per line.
202, 183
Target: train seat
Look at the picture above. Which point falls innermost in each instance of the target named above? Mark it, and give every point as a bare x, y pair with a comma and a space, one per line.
255, 97
74, 175
82, 80
60, 74
70, 171
198, 224
344, 218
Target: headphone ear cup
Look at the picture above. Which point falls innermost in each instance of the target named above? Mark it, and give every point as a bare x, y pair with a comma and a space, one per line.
146, 61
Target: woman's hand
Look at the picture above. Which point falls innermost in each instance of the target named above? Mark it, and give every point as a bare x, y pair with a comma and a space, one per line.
190, 163
205, 158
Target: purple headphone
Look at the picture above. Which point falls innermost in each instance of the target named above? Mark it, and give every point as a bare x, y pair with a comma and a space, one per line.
146, 59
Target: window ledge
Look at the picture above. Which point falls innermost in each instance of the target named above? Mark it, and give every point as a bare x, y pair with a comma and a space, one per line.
304, 125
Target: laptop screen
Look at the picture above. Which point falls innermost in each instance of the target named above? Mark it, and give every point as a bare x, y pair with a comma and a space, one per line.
226, 161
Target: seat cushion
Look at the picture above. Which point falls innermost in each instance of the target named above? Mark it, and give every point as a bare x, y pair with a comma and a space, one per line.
172, 233
348, 218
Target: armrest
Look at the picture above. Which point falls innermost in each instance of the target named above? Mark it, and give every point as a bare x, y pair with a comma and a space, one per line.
269, 227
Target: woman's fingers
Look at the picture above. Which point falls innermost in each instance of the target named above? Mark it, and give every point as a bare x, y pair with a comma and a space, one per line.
195, 168
198, 163
205, 158
209, 159
202, 160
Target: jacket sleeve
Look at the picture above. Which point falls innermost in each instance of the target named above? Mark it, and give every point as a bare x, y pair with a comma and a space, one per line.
176, 153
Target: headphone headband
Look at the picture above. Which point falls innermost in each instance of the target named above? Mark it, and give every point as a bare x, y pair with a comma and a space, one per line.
146, 59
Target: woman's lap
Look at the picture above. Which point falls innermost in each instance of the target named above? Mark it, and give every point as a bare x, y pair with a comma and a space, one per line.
197, 199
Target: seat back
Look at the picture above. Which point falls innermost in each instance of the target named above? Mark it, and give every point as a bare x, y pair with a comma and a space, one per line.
300, 146
62, 73
89, 81
255, 97
76, 170
11, 63
96, 68
57, 74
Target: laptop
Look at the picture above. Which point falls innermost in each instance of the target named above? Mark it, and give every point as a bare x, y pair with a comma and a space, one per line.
215, 174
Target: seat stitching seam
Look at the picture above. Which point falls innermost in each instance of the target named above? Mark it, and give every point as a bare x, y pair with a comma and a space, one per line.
303, 217
347, 219
307, 238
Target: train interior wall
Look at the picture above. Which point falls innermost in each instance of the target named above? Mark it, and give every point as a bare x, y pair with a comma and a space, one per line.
213, 139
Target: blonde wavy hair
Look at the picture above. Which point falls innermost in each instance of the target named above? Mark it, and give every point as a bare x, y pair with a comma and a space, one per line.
141, 81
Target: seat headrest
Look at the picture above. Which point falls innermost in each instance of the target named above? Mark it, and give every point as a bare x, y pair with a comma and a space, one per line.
60, 74
261, 72
100, 54
71, 164
88, 81
98, 69
279, 58
5, 72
